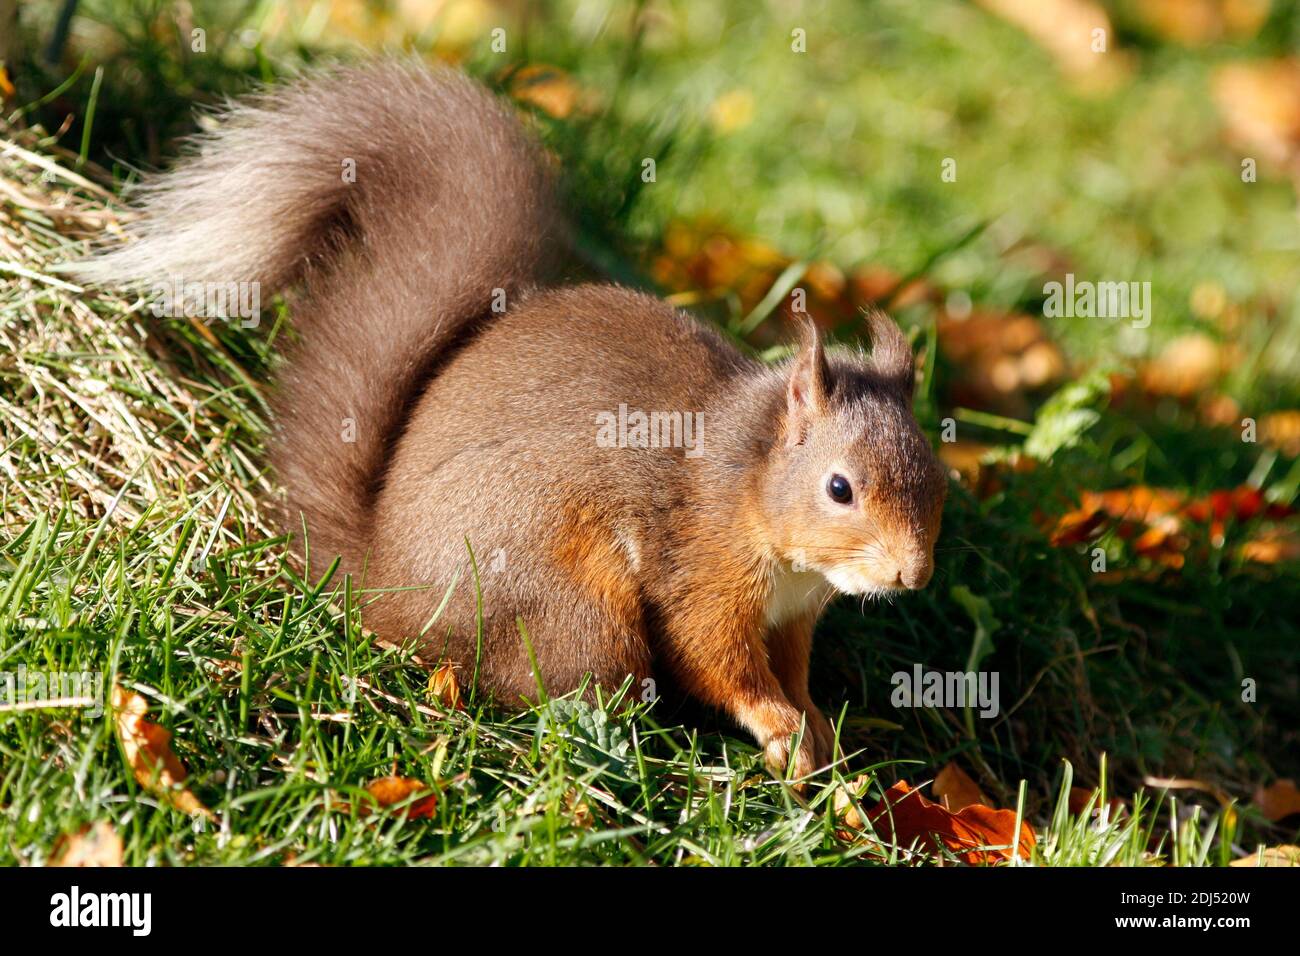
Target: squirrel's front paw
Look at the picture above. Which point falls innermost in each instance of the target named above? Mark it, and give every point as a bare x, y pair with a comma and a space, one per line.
777, 752
777, 726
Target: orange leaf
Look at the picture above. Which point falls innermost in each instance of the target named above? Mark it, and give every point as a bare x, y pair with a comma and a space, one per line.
1281, 430
548, 88
977, 834
149, 754
444, 688
1272, 547
956, 789
389, 791
90, 846
1278, 800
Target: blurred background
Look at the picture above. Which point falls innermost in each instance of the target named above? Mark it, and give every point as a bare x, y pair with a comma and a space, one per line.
1121, 543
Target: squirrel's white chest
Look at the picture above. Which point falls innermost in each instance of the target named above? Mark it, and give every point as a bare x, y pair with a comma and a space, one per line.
795, 594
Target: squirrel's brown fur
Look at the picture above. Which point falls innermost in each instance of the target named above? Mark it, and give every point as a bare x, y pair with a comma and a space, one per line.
707, 564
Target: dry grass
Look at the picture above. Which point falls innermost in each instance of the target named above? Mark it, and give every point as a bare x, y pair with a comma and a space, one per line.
103, 406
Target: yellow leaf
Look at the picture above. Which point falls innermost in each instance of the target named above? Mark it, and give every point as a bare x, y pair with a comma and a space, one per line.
90, 846
444, 688
149, 754
548, 88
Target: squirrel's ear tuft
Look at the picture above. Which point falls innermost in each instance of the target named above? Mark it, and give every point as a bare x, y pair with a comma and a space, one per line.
891, 353
808, 385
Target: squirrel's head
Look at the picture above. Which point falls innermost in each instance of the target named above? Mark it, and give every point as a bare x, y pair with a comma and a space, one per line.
853, 489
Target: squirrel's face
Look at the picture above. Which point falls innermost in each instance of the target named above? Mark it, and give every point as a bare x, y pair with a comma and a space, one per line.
854, 490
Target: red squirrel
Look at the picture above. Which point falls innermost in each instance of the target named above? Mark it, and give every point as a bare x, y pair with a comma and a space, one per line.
443, 392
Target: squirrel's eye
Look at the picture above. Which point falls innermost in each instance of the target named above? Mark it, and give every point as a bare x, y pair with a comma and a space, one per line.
839, 489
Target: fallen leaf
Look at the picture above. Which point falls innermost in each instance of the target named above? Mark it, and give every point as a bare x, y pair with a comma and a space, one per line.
1260, 106
444, 688
846, 799
1281, 430
1066, 29
389, 791
976, 834
579, 810
1278, 800
1154, 519
148, 751
1191, 23
1187, 365
955, 789
964, 458
1273, 546
703, 260
1271, 856
997, 358
97, 845
1217, 410
548, 88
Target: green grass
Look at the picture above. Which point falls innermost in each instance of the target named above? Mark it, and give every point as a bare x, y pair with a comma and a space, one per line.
137, 539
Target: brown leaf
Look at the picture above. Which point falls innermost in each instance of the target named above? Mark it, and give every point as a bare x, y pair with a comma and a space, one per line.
964, 458
1271, 856
997, 357
976, 834
1260, 106
1189, 364
444, 688
389, 791
955, 789
90, 846
1278, 800
149, 753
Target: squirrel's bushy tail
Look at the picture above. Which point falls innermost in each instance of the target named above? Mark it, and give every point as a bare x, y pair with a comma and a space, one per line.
401, 199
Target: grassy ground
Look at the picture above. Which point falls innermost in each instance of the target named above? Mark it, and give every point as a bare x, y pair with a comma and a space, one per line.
136, 540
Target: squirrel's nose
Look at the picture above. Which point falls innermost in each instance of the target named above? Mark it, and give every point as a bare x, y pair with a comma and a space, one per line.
917, 574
